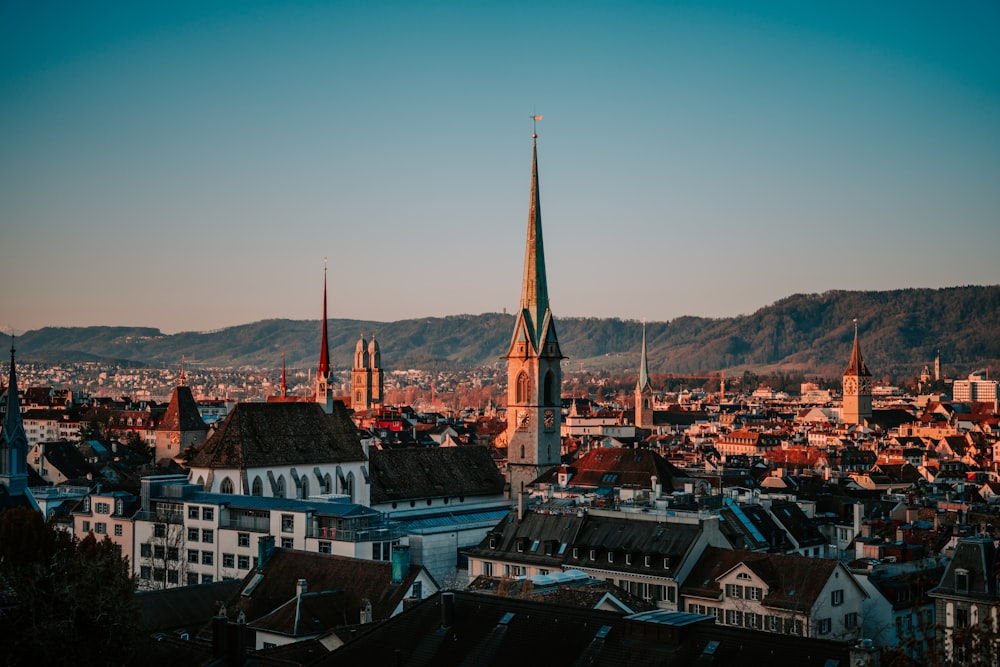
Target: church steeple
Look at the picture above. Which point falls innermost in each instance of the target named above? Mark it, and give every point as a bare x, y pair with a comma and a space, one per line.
643, 390
534, 375
643, 382
14, 440
324, 349
857, 403
856, 366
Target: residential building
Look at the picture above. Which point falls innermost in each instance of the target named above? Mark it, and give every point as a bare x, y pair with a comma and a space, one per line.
967, 601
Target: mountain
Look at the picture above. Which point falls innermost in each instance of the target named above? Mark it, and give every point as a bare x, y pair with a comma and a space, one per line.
809, 333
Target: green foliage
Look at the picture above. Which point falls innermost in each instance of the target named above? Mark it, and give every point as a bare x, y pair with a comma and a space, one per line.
809, 334
74, 600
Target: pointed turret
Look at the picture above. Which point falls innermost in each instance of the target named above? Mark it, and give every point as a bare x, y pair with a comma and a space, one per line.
284, 383
323, 369
643, 382
13, 440
643, 390
534, 289
856, 366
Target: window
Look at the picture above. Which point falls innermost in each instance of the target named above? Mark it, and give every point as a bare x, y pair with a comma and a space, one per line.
961, 618
193, 534
226, 486
734, 591
159, 552
772, 623
207, 513
206, 579
192, 556
287, 543
824, 626
228, 560
754, 592
207, 558
243, 562
287, 523
118, 530
192, 578
145, 551
487, 568
145, 572
754, 621
159, 574
173, 553
258, 487
793, 626
86, 526
192, 512
101, 528
102, 508
324, 547
837, 597
172, 577
243, 539
159, 530
734, 617
961, 581
207, 536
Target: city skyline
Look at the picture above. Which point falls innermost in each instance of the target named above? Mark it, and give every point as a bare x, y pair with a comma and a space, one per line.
189, 167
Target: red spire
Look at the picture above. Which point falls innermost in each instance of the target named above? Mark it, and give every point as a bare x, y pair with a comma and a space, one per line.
284, 385
324, 352
857, 366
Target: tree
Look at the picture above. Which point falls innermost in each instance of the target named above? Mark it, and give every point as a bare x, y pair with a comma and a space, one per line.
74, 599
162, 558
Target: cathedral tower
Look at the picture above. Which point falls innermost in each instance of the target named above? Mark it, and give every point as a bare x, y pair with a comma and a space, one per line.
13, 440
367, 377
324, 393
643, 391
534, 374
857, 405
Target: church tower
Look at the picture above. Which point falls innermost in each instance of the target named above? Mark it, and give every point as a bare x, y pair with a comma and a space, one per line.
324, 393
857, 405
13, 440
367, 378
643, 391
534, 374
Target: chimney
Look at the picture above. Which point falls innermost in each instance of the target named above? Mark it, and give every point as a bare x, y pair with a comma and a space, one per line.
858, 513
219, 627
400, 563
265, 547
447, 610
236, 643
864, 654
300, 588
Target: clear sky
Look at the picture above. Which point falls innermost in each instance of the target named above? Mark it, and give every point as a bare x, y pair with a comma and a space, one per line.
188, 165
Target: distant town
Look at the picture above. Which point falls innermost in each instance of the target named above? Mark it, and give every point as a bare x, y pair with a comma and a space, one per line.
369, 515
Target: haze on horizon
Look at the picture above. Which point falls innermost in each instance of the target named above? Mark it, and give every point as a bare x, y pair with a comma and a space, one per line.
187, 166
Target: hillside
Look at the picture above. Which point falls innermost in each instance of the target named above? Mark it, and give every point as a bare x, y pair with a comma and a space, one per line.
809, 333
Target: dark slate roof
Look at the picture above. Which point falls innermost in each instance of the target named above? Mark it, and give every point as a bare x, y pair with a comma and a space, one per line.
978, 557
358, 579
308, 615
586, 594
629, 541
186, 607
535, 538
67, 459
803, 529
432, 472
795, 582
489, 630
890, 419
182, 413
258, 435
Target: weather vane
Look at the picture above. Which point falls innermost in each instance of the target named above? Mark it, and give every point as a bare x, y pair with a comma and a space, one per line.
534, 126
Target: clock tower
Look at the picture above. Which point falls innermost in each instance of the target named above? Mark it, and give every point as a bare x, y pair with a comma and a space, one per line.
534, 374
857, 405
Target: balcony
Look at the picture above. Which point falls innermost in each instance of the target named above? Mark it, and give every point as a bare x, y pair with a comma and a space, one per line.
255, 524
160, 517
386, 532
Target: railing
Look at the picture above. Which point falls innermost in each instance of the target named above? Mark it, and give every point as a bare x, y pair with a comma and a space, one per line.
256, 524
160, 517
378, 533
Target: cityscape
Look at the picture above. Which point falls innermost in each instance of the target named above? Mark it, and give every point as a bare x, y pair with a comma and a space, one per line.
714, 497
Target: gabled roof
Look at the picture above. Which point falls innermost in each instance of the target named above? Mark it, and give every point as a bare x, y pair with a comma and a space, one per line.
183, 607
308, 615
256, 435
67, 459
360, 580
617, 467
432, 472
539, 538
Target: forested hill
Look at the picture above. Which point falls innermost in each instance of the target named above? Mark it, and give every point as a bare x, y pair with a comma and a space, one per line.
810, 333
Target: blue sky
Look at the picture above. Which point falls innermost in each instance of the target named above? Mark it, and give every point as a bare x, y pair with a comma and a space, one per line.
188, 165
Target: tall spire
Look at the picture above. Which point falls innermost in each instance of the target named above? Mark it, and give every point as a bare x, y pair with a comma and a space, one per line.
284, 384
856, 366
643, 383
324, 350
534, 290
14, 441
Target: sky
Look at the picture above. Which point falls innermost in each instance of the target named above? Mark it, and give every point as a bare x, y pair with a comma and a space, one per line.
189, 165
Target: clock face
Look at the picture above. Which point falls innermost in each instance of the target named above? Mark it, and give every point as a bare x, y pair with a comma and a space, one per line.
550, 418
866, 385
850, 385
523, 418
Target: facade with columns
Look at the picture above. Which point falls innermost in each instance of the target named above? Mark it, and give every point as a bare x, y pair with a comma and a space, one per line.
534, 373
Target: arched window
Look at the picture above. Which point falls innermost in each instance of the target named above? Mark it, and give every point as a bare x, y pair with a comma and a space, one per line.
281, 487
327, 484
305, 487
523, 389
201, 481
350, 486
258, 487
522, 451
549, 387
226, 486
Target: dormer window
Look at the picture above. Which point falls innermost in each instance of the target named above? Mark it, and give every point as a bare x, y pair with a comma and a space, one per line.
961, 581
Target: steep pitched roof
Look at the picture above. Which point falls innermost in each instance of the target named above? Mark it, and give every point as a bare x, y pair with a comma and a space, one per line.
182, 412
257, 435
617, 467
856, 366
431, 472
